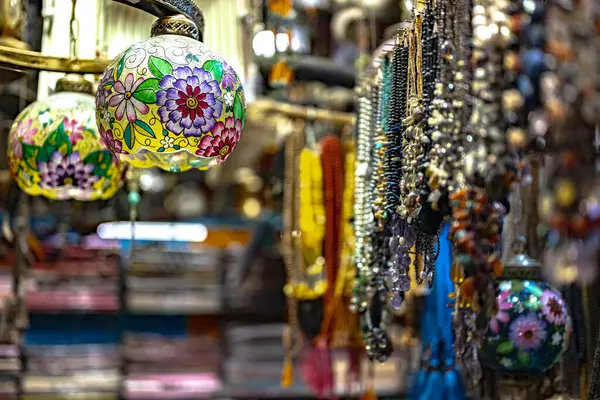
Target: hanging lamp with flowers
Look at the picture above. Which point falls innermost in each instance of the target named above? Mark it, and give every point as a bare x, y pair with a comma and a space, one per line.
55, 149
171, 102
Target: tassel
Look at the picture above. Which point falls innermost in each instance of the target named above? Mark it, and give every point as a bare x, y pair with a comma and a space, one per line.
453, 387
435, 381
369, 395
418, 384
287, 374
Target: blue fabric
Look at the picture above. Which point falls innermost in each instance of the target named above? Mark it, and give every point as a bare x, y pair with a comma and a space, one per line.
438, 371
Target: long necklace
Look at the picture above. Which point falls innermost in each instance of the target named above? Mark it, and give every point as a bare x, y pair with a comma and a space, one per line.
345, 325
490, 171
311, 215
399, 272
427, 221
290, 235
375, 317
333, 185
362, 214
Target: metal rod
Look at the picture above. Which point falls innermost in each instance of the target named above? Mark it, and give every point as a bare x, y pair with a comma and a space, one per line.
308, 113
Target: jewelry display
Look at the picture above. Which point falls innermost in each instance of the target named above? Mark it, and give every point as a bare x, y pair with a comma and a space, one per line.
479, 205
447, 123
392, 143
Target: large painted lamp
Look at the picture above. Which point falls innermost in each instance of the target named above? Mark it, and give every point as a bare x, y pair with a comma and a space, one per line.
55, 149
171, 102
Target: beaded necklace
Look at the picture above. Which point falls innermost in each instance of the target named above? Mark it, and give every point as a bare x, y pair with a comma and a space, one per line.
399, 273
312, 212
478, 207
427, 221
362, 213
337, 323
290, 235
375, 317
331, 160
347, 272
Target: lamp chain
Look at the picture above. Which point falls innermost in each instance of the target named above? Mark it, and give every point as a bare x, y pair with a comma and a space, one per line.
74, 32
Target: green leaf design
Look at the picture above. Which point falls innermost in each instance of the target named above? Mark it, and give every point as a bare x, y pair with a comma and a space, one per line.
523, 357
30, 155
129, 135
145, 129
58, 141
165, 132
238, 109
43, 157
215, 68
146, 92
120, 68
517, 286
102, 160
159, 67
505, 347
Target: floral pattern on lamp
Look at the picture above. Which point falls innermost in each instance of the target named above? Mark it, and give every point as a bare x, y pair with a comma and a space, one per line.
55, 151
170, 102
531, 330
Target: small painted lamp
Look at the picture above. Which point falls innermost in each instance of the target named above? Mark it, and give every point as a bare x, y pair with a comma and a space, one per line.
532, 328
171, 102
55, 149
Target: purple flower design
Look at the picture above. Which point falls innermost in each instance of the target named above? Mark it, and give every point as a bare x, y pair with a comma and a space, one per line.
188, 102
229, 78
124, 100
66, 174
528, 332
114, 146
103, 93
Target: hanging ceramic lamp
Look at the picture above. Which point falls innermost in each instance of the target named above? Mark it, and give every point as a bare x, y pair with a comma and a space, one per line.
532, 328
55, 149
171, 102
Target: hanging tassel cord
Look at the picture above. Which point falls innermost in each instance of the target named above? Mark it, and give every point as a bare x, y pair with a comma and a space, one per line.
594, 390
